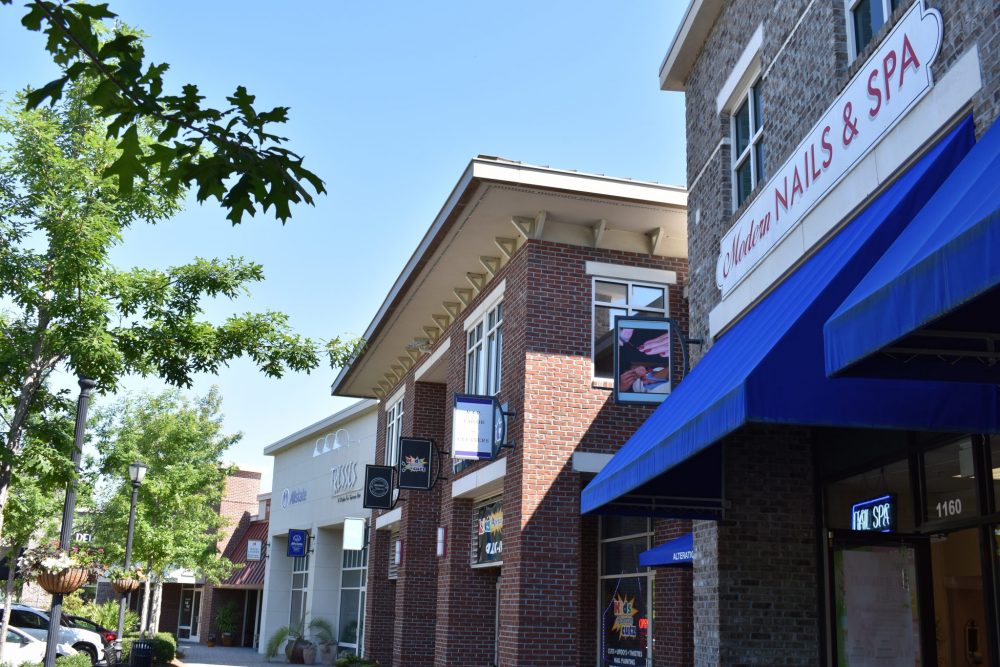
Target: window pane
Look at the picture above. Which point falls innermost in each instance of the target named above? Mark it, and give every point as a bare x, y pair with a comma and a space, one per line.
622, 556
646, 297
295, 614
349, 620
757, 118
759, 156
741, 123
744, 182
867, 21
950, 479
351, 578
604, 359
620, 526
894, 479
613, 293
361, 621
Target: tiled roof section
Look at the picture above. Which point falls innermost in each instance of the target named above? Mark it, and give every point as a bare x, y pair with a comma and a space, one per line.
251, 575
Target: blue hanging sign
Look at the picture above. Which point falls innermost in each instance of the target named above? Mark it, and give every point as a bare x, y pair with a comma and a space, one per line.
298, 541
877, 514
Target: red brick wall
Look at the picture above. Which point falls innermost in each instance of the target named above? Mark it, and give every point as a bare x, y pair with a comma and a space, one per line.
548, 581
673, 599
239, 503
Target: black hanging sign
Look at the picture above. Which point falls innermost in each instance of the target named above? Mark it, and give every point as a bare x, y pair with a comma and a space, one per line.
416, 462
378, 487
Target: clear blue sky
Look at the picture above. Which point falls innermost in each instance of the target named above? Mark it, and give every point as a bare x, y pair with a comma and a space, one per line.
389, 101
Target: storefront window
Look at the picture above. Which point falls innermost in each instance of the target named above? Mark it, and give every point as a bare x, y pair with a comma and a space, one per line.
959, 599
889, 480
626, 602
950, 480
300, 585
354, 580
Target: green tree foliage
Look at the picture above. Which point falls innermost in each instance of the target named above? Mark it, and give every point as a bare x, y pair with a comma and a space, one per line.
70, 306
177, 520
230, 154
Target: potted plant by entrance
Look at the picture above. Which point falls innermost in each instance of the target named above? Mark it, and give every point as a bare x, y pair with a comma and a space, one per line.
59, 571
225, 622
296, 642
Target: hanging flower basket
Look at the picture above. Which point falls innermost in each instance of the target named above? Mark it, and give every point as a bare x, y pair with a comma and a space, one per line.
122, 586
63, 582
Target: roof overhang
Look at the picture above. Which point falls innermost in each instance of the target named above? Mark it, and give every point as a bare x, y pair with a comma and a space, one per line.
687, 43
495, 207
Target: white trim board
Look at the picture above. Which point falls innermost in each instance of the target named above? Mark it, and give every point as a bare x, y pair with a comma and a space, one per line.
487, 481
744, 72
636, 273
492, 299
389, 519
431, 360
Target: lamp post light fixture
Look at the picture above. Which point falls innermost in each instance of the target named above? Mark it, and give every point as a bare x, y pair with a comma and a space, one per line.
136, 472
69, 508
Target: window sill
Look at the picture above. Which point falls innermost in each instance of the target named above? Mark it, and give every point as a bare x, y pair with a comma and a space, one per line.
602, 383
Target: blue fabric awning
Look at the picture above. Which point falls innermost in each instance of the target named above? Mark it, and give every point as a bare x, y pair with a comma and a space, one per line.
929, 307
769, 368
674, 552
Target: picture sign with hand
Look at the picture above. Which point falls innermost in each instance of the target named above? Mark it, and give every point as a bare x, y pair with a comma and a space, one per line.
643, 353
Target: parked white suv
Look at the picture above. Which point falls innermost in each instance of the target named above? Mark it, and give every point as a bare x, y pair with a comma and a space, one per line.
21, 648
35, 622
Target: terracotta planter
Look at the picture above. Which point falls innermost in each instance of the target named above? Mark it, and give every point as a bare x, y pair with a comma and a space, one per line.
309, 654
63, 582
327, 654
227, 639
125, 585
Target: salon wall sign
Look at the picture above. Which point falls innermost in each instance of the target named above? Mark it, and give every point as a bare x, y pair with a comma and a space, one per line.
888, 85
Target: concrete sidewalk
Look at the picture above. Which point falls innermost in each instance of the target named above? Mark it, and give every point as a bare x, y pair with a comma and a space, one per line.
199, 655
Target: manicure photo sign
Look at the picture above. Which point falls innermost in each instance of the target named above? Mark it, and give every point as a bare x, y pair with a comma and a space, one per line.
643, 353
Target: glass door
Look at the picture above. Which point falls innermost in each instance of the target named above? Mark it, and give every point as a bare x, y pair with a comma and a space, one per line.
190, 611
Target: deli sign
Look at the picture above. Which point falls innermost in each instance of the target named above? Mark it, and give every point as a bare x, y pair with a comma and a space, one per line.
883, 90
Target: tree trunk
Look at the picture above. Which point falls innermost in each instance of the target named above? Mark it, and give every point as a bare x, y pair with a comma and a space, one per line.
8, 594
144, 616
157, 605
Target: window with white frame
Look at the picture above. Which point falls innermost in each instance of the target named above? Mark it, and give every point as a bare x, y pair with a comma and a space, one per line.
621, 298
300, 586
393, 431
864, 19
353, 586
484, 354
748, 145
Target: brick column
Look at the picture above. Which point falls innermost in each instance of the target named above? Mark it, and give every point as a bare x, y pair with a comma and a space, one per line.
380, 603
673, 630
756, 572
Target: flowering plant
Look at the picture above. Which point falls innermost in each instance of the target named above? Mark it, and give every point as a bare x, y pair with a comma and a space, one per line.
48, 558
134, 572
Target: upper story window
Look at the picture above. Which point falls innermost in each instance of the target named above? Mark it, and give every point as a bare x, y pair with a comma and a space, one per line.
748, 145
864, 19
393, 431
621, 298
484, 354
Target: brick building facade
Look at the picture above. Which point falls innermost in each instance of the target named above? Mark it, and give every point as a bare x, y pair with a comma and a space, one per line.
792, 571
514, 260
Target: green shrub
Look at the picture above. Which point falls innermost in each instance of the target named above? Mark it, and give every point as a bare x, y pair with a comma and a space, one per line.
78, 660
164, 646
106, 615
354, 661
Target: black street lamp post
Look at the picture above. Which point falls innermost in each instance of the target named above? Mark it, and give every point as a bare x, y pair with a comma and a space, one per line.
136, 471
69, 508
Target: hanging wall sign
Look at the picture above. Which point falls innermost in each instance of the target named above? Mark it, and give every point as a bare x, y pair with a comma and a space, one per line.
643, 360
298, 541
877, 514
378, 487
254, 549
889, 84
416, 461
489, 532
472, 427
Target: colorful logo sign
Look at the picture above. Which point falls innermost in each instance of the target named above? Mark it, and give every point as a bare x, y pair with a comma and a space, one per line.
624, 612
877, 514
416, 463
889, 84
489, 532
